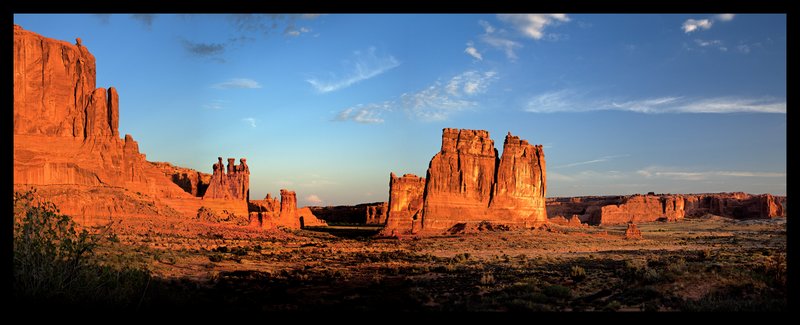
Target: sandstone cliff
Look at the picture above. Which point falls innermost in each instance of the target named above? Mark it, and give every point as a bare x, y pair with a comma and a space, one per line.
67, 142
597, 210
405, 203
467, 182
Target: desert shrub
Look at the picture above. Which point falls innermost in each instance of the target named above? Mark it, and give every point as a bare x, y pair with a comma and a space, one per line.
557, 291
54, 259
461, 258
577, 273
487, 279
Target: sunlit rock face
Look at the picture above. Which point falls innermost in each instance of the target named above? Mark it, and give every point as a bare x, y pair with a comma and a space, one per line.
468, 182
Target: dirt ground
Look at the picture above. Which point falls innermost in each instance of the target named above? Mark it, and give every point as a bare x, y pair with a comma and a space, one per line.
708, 263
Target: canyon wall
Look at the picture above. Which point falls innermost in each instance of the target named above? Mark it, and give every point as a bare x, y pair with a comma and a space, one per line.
67, 143
597, 210
365, 213
270, 213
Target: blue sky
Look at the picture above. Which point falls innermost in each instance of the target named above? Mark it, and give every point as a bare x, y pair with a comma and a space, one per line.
329, 105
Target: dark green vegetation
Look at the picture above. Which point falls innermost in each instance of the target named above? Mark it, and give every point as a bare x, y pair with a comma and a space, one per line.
55, 263
707, 265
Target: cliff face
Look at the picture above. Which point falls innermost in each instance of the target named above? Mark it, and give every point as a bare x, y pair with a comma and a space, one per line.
640, 208
405, 203
467, 182
460, 178
67, 142
190, 180
376, 213
646, 208
519, 193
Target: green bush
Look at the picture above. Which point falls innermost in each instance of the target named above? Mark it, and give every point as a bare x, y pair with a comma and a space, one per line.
55, 262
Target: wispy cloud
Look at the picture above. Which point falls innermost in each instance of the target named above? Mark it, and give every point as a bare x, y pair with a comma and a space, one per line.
365, 65
145, 19
215, 104
313, 199
691, 25
366, 114
533, 25
104, 18
251, 121
203, 49
472, 51
593, 161
492, 37
725, 17
672, 173
434, 103
718, 44
292, 30
240, 83
438, 102
569, 101
265, 24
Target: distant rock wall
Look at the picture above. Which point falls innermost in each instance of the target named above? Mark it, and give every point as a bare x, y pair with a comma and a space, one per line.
190, 180
598, 210
366, 213
270, 213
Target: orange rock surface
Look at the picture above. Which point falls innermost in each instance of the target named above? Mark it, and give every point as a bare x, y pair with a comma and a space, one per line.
67, 142
405, 203
376, 214
270, 213
231, 183
468, 183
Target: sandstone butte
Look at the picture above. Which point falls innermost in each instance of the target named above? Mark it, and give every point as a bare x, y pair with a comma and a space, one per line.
468, 183
605, 210
67, 145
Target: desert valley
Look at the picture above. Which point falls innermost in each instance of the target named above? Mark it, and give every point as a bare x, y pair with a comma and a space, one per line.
478, 232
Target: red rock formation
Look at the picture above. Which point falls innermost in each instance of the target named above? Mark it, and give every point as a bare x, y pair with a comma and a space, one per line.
632, 232
460, 179
376, 214
736, 205
638, 208
67, 142
269, 213
641, 208
521, 185
467, 183
405, 203
190, 180
231, 185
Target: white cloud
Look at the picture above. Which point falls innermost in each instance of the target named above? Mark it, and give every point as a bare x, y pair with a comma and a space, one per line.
744, 48
367, 114
437, 102
293, 31
241, 83
568, 101
472, 51
365, 66
725, 17
251, 121
691, 25
711, 43
673, 173
313, 199
215, 104
533, 25
434, 103
593, 161
501, 43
